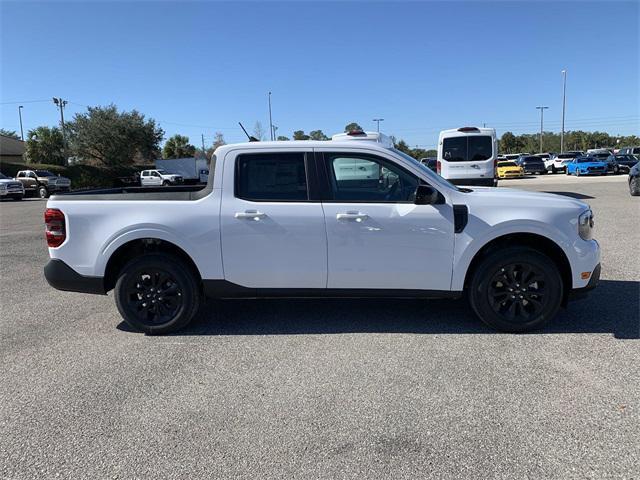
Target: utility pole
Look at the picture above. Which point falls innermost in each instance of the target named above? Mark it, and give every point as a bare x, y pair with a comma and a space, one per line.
564, 104
378, 120
20, 115
204, 152
61, 104
542, 109
270, 120
274, 132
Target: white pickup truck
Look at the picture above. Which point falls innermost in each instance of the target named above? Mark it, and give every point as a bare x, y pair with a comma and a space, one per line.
350, 217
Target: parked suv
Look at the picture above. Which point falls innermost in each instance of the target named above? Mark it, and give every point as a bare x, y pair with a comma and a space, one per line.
630, 151
43, 183
10, 188
349, 217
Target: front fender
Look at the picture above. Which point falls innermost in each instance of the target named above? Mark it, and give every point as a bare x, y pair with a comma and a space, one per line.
478, 234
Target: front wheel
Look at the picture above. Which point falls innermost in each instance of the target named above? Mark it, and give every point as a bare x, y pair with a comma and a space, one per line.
157, 293
516, 289
166, 183
634, 187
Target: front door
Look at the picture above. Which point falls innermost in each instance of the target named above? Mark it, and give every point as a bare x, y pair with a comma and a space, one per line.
273, 235
377, 237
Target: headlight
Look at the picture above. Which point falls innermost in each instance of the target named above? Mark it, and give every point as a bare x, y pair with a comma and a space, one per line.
585, 225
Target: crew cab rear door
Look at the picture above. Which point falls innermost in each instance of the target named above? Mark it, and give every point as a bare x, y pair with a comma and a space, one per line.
273, 233
377, 237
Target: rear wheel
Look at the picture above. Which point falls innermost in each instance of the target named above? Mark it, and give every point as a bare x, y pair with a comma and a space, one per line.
43, 192
516, 290
634, 186
157, 293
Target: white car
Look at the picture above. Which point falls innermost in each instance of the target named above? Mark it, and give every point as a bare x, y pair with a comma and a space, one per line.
159, 177
558, 162
468, 156
351, 217
10, 188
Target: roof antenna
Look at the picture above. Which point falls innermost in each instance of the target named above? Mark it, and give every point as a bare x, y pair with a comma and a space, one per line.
250, 137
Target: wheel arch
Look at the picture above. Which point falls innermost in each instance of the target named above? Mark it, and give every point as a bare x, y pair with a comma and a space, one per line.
537, 242
141, 246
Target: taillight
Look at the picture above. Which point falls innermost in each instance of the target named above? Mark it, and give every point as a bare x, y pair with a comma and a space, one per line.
55, 231
438, 167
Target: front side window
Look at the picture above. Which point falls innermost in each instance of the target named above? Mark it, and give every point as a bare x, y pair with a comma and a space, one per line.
271, 177
21, 175
364, 178
467, 149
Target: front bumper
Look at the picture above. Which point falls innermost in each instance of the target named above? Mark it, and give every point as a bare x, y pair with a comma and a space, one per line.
62, 277
580, 293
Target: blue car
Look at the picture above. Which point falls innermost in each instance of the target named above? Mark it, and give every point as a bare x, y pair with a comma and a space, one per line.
586, 166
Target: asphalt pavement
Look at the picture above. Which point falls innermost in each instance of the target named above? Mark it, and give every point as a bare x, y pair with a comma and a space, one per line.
373, 388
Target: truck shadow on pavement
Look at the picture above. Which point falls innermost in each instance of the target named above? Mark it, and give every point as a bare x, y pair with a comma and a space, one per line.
613, 308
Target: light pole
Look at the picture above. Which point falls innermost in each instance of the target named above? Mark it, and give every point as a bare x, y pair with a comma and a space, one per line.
378, 120
542, 109
270, 120
564, 104
20, 115
61, 104
275, 128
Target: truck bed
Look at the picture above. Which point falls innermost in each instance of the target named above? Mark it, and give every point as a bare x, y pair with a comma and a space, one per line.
173, 193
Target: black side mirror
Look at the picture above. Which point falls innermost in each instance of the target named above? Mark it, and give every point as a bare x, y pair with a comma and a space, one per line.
426, 195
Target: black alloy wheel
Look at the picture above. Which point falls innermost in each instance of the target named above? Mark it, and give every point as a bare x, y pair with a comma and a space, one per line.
157, 293
517, 292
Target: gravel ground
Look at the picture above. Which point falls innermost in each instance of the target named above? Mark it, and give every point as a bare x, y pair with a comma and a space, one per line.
322, 389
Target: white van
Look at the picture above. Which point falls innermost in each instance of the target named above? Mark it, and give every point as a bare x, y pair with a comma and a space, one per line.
467, 156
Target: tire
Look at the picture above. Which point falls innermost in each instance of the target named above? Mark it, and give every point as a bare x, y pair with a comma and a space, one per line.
166, 183
577, 172
168, 282
634, 187
42, 192
554, 170
503, 269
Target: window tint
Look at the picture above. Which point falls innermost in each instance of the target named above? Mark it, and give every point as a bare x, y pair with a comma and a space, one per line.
467, 149
454, 149
479, 148
364, 178
271, 176
21, 175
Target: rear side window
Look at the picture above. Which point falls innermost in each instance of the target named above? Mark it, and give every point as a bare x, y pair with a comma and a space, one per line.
271, 177
467, 149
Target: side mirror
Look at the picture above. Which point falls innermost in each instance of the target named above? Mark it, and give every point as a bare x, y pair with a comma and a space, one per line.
426, 195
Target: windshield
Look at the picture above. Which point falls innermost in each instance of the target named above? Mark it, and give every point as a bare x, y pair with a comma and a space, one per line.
163, 172
507, 164
44, 173
4, 177
531, 159
567, 155
429, 173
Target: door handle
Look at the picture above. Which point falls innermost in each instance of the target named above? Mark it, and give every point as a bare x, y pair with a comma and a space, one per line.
475, 166
357, 216
250, 215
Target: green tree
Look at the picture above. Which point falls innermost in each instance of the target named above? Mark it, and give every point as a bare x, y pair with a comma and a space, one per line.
45, 145
300, 135
9, 133
178, 147
317, 135
109, 137
352, 126
282, 138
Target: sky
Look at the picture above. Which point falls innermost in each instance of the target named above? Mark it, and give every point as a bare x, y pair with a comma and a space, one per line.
201, 67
